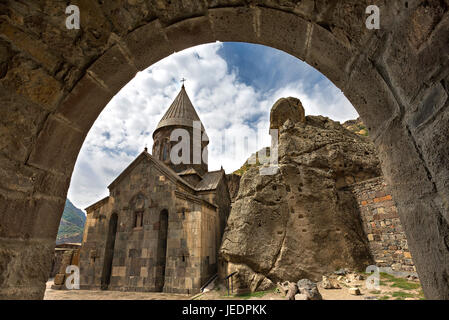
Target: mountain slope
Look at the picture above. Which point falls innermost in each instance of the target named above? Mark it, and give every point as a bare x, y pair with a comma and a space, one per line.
356, 126
71, 227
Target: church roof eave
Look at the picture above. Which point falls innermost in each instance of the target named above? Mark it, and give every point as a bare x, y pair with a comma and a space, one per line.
99, 203
161, 166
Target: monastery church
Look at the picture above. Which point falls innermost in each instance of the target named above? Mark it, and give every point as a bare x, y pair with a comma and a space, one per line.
161, 226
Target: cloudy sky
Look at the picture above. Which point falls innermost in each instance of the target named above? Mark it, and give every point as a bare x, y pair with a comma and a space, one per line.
231, 85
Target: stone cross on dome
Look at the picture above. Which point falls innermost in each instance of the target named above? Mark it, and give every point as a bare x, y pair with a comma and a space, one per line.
183, 80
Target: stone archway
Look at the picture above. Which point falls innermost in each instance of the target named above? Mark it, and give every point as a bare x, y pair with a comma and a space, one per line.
54, 83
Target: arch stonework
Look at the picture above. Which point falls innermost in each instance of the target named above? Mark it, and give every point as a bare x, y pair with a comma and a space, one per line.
54, 82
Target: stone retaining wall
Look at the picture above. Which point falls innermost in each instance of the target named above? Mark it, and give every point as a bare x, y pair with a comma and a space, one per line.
66, 257
58, 256
382, 226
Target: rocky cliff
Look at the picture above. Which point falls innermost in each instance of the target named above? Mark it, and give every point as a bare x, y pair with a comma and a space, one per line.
233, 180
300, 222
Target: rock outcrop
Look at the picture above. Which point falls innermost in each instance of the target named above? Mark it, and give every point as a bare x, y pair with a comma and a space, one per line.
286, 109
301, 222
309, 289
233, 185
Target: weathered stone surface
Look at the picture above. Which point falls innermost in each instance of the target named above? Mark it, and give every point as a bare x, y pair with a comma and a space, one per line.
354, 291
127, 16
233, 185
389, 72
296, 31
40, 217
366, 80
289, 289
248, 279
286, 109
23, 119
329, 283
301, 296
329, 55
30, 45
198, 32
309, 289
301, 222
35, 84
113, 69
48, 147
233, 24
23, 271
148, 44
59, 279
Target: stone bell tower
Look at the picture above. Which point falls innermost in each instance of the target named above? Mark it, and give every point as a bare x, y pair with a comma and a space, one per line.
182, 115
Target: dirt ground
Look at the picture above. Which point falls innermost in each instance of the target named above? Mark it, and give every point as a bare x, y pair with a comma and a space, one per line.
51, 294
390, 288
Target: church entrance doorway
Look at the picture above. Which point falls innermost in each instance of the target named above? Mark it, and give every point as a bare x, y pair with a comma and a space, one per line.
162, 249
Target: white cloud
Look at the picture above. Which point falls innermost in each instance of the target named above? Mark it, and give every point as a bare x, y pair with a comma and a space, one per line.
228, 108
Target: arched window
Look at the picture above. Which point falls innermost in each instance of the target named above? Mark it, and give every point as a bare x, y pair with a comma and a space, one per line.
138, 219
138, 208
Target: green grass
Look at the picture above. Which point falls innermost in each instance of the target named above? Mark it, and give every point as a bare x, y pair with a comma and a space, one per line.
384, 298
246, 166
244, 296
401, 295
375, 292
400, 283
406, 285
258, 294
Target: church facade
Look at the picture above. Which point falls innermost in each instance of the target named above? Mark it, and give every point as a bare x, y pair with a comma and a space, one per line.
161, 226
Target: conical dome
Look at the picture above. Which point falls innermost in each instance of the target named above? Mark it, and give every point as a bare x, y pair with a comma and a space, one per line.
180, 113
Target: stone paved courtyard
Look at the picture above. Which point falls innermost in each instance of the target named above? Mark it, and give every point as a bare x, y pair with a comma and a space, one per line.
51, 294
390, 288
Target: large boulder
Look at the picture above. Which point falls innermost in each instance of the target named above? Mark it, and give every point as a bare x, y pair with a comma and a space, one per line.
303, 222
286, 109
309, 289
245, 279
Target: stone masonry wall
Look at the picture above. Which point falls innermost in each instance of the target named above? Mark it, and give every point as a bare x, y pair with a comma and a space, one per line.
382, 226
59, 252
145, 257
